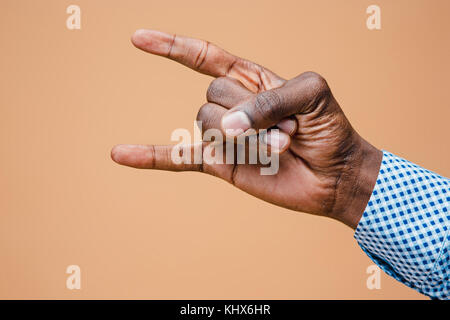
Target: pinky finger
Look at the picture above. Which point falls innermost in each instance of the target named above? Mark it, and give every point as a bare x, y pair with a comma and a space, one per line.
156, 157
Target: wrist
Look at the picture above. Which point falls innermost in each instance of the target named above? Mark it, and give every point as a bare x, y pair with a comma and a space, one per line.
357, 182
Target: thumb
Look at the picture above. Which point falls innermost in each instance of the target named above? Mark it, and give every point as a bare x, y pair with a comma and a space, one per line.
299, 95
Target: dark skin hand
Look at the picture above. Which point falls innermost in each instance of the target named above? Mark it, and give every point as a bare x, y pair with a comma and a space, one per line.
325, 167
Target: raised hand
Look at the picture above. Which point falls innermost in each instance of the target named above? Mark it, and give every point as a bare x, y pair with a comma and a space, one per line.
325, 167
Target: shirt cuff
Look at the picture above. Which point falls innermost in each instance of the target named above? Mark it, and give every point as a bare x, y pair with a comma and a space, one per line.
405, 226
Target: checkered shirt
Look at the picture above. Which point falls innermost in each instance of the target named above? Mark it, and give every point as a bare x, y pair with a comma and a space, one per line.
405, 226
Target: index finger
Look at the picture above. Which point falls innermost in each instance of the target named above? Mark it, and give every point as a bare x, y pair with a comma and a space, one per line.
205, 57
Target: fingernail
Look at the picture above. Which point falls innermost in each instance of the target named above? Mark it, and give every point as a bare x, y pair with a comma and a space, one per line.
120, 151
235, 123
117, 152
287, 125
276, 140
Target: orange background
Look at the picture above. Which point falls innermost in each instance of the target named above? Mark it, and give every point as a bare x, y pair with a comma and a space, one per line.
68, 96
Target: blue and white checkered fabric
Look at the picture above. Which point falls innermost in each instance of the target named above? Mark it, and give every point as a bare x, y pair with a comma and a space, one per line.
405, 226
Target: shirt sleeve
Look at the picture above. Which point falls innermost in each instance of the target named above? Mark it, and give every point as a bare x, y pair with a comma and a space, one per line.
405, 226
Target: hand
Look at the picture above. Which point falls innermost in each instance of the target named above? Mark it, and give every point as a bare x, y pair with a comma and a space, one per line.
325, 167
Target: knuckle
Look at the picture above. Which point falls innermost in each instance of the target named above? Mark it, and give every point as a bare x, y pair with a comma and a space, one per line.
267, 105
201, 58
204, 112
207, 116
317, 83
220, 87
216, 89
